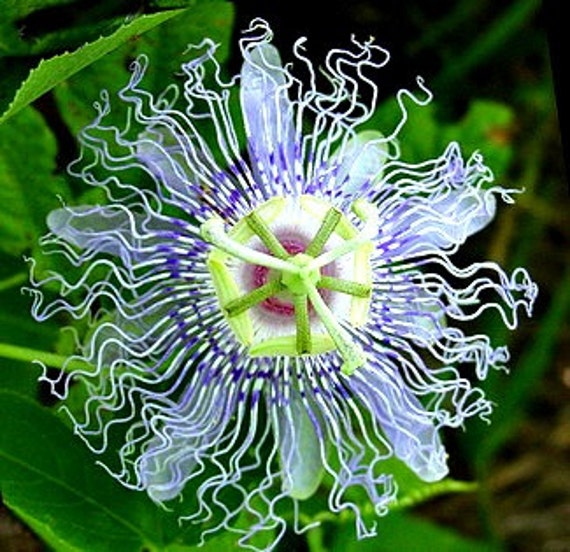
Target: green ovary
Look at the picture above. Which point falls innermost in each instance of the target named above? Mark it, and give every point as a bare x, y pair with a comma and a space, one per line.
307, 277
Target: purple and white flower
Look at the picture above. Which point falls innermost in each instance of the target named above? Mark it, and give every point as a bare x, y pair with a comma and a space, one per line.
273, 307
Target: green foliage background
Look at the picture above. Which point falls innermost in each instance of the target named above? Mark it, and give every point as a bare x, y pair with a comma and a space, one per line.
50, 75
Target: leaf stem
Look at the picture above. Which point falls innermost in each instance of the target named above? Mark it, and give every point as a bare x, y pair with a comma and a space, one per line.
446, 486
24, 354
13, 281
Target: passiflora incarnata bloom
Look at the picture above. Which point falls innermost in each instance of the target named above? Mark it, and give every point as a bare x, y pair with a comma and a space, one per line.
273, 309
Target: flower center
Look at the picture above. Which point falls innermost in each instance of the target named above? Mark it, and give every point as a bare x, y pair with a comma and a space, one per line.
288, 296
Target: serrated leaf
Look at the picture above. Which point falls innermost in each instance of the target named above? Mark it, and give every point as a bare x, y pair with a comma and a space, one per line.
50, 72
28, 187
164, 46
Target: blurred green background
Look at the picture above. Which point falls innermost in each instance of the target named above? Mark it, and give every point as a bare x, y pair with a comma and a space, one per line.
488, 65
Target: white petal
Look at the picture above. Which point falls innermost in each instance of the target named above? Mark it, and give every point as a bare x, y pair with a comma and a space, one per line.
361, 161
165, 163
110, 229
403, 420
267, 110
463, 214
164, 470
299, 448
104, 229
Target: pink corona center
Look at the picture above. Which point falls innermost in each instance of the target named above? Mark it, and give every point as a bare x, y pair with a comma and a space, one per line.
281, 304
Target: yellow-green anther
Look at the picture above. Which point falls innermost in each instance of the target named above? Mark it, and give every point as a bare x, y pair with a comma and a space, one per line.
369, 215
214, 233
260, 227
302, 324
254, 297
350, 352
365, 211
328, 225
227, 290
349, 287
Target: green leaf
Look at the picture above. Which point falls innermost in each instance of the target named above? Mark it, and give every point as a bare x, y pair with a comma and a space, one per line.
32, 27
398, 531
485, 127
19, 329
225, 541
50, 72
165, 48
19, 378
29, 189
49, 479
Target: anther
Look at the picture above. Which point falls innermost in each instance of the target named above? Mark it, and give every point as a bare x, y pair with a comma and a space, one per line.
369, 215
